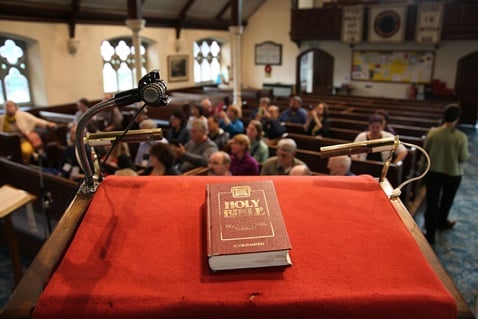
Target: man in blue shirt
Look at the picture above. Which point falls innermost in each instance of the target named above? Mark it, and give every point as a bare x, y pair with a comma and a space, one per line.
295, 113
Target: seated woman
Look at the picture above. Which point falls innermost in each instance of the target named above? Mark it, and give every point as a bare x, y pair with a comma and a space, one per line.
376, 131
195, 111
230, 121
178, 132
119, 158
142, 154
259, 149
242, 163
318, 121
162, 159
386, 126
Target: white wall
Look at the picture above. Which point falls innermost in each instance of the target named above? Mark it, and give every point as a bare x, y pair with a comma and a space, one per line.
270, 23
58, 77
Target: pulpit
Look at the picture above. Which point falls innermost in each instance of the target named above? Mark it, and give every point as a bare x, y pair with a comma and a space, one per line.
140, 252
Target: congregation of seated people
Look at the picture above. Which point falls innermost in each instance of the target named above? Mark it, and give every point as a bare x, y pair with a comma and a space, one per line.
198, 130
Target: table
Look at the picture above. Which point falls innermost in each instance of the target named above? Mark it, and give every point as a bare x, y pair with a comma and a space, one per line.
12, 199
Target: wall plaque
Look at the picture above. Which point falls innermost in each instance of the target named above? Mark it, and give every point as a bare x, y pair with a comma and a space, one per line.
268, 52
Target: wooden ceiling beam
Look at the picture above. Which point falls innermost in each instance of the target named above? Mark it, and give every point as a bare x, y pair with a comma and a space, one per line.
223, 10
75, 8
181, 16
135, 9
68, 14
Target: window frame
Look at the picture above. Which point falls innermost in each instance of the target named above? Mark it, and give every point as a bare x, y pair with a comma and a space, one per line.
23, 44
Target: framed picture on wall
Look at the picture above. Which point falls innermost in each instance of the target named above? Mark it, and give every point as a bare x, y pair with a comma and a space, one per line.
268, 52
178, 68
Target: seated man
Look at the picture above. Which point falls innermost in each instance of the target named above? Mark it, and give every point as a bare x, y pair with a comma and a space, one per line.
197, 151
259, 111
300, 170
219, 164
376, 131
216, 133
24, 124
295, 113
282, 163
273, 129
340, 165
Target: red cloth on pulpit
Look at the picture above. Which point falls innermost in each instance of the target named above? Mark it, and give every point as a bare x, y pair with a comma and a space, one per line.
140, 252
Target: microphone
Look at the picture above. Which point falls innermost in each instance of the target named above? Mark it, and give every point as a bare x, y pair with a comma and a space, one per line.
108, 138
151, 89
372, 146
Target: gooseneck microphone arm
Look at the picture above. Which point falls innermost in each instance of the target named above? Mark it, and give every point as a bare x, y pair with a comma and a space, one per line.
151, 90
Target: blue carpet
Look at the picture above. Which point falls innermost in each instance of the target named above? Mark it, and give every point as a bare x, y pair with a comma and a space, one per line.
6, 275
457, 248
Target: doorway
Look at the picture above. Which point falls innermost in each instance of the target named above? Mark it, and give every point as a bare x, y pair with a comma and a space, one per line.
465, 87
315, 72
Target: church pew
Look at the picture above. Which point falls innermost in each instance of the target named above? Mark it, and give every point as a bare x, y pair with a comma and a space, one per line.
423, 109
350, 134
435, 107
28, 178
393, 120
317, 164
249, 95
57, 117
410, 163
313, 143
198, 171
414, 119
196, 98
363, 126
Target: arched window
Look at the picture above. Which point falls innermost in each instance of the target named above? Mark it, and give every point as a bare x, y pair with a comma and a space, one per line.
119, 71
207, 60
14, 80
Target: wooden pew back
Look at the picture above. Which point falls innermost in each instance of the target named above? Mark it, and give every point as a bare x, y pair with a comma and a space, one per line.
317, 164
10, 147
27, 178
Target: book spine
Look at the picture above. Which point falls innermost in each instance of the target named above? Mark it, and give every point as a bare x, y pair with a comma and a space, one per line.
208, 220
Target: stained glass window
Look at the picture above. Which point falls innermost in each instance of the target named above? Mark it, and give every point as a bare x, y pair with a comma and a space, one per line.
119, 71
14, 81
207, 60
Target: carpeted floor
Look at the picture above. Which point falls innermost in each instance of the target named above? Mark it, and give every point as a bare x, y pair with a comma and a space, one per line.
457, 248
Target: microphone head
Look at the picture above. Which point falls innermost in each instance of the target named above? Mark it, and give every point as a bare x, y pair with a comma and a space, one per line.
153, 89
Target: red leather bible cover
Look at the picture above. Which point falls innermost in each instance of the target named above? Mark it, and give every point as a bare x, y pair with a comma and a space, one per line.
245, 218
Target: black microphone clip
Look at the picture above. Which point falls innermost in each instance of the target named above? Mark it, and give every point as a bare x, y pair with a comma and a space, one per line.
151, 89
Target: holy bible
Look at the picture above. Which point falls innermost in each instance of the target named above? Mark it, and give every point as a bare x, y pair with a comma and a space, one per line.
245, 227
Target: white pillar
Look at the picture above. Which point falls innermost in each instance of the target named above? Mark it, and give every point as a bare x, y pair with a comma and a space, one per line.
236, 63
136, 25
